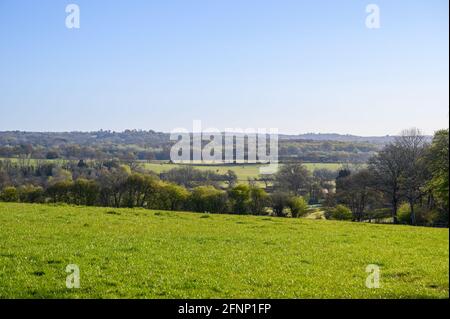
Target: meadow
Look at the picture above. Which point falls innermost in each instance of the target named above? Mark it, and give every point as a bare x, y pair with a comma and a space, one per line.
243, 171
138, 253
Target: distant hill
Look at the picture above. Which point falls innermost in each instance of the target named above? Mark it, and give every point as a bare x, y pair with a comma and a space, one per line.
158, 137
151, 145
339, 138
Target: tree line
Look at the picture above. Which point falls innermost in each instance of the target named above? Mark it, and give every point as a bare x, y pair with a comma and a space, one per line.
408, 179
405, 182
117, 185
133, 145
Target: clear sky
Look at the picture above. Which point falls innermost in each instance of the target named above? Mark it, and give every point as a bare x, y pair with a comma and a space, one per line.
300, 66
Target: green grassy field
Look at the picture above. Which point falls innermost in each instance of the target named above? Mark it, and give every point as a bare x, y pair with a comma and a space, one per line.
243, 172
137, 253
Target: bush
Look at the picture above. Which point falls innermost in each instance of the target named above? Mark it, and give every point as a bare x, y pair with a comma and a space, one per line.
298, 206
404, 214
259, 200
340, 212
31, 194
424, 216
84, 192
9, 194
209, 199
279, 203
60, 191
172, 196
240, 198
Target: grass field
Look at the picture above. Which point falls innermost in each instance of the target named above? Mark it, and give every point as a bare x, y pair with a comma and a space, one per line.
243, 172
137, 253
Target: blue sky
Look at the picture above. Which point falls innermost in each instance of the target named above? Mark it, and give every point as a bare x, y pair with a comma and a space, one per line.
299, 66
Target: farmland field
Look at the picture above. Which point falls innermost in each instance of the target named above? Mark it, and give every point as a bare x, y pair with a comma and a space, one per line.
137, 253
243, 171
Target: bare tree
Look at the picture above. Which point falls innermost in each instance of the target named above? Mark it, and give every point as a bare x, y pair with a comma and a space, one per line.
387, 170
413, 147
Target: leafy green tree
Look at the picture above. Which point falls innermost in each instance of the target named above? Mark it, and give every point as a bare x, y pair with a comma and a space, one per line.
240, 198
356, 191
84, 192
259, 200
113, 185
340, 212
60, 191
438, 160
424, 215
387, 169
173, 197
279, 201
9, 194
209, 199
133, 189
298, 206
31, 194
294, 178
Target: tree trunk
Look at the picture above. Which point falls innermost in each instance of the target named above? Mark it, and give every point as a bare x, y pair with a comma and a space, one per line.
413, 214
394, 212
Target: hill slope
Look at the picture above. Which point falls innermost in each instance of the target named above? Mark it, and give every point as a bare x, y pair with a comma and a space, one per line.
146, 254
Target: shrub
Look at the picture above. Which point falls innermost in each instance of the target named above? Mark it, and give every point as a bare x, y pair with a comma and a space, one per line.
404, 214
259, 200
9, 194
240, 198
340, 212
209, 199
172, 196
84, 192
60, 191
424, 216
31, 194
279, 203
298, 206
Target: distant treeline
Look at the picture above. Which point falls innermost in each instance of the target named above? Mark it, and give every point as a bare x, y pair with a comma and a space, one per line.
407, 181
150, 145
114, 184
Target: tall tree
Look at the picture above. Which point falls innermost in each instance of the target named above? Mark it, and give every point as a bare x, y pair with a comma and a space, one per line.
438, 159
356, 191
413, 147
293, 177
387, 169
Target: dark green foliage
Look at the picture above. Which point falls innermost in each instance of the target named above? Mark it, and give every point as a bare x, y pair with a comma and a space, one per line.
279, 202
240, 199
340, 212
209, 199
298, 206
9, 194
438, 160
294, 178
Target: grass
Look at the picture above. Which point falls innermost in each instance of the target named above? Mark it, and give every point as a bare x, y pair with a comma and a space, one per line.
244, 171
137, 253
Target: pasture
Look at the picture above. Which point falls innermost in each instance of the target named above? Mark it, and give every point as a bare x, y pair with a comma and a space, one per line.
137, 253
243, 171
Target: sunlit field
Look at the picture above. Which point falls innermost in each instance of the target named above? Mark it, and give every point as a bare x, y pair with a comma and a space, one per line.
137, 253
244, 171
